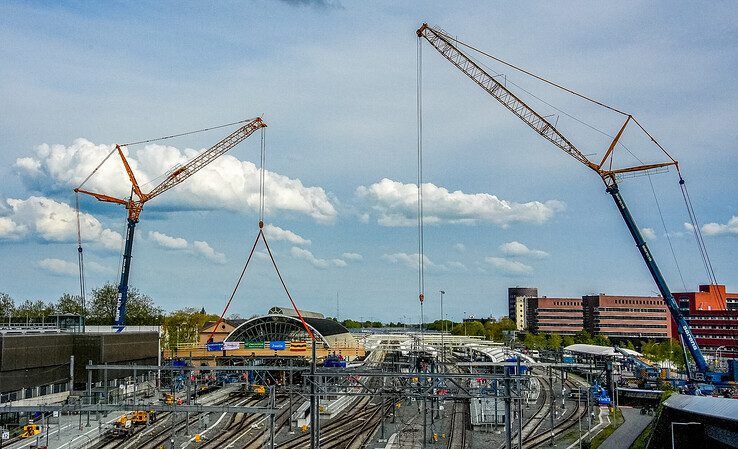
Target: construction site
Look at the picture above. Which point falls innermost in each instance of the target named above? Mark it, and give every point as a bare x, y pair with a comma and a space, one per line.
290, 377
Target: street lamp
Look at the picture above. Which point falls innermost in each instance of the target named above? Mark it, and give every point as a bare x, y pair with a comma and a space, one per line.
680, 424
443, 330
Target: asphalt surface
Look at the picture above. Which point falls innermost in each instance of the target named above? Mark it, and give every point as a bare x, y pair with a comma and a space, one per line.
626, 434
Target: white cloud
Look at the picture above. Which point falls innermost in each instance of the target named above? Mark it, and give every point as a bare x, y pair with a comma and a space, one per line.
208, 252
353, 257
509, 267
199, 248
648, 233
166, 241
59, 267
226, 183
395, 204
517, 249
276, 233
459, 247
301, 253
411, 261
52, 221
718, 228
65, 268
688, 227
458, 266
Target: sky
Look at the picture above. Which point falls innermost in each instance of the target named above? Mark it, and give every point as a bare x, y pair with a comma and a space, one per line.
335, 81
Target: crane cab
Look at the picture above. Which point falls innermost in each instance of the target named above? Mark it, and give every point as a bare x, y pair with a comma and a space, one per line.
30, 430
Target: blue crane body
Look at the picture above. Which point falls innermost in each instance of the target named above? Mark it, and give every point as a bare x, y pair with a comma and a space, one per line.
444, 43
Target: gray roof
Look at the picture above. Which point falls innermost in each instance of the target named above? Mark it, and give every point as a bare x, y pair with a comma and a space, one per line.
598, 350
721, 408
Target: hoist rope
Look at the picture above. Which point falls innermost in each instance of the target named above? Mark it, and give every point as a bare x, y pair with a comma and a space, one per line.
262, 176
80, 260
697, 233
262, 236
187, 133
421, 235
667, 233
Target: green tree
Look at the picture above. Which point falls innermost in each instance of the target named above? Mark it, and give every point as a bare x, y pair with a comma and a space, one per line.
69, 304
568, 341
583, 337
140, 308
601, 340
554, 341
34, 309
183, 326
7, 305
533, 341
351, 324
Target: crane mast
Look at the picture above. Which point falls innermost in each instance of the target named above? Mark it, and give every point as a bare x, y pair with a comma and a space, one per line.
444, 44
135, 205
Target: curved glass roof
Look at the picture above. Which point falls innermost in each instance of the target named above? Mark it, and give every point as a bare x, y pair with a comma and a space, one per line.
284, 328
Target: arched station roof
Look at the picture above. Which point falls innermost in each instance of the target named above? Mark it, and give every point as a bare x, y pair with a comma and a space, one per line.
273, 327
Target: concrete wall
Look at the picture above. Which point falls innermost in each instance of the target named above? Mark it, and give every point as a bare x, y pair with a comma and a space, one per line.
42, 359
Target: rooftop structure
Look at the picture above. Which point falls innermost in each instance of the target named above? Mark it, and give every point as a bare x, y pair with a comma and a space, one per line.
604, 351
276, 326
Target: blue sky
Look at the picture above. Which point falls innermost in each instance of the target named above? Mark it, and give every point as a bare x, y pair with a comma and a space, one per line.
335, 81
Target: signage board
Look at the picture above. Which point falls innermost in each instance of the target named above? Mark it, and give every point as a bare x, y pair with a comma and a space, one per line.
214, 346
229, 345
277, 345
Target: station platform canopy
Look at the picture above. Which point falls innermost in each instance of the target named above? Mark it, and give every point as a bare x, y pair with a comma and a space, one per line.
603, 351
277, 326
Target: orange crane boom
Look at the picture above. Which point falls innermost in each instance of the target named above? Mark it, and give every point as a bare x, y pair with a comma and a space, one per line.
135, 205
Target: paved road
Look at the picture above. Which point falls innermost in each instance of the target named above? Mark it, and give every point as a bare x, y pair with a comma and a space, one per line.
624, 435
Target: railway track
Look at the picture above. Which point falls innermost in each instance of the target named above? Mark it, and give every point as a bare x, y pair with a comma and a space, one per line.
457, 431
539, 436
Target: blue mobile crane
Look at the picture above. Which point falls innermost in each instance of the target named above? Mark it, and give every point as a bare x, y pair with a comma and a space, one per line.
135, 205
448, 47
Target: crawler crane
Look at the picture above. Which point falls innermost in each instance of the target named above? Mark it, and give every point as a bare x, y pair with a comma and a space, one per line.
445, 44
135, 205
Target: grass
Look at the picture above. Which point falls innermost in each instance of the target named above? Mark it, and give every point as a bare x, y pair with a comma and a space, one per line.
616, 419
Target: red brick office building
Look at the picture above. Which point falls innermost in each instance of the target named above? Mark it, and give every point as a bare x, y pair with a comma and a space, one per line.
712, 314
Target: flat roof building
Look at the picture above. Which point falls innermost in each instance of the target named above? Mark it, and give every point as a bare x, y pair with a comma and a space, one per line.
712, 314
555, 315
627, 316
518, 292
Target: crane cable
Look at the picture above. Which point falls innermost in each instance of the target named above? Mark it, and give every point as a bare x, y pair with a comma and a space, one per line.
697, 233
421, 235
262, 237
80, 261
707, 263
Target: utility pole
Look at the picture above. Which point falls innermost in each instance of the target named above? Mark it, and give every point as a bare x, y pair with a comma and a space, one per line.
508, 412
443, 331
553, 403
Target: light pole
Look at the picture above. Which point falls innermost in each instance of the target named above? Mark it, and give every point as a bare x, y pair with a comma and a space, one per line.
464, 323
680, 424
718, 364
443, 330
